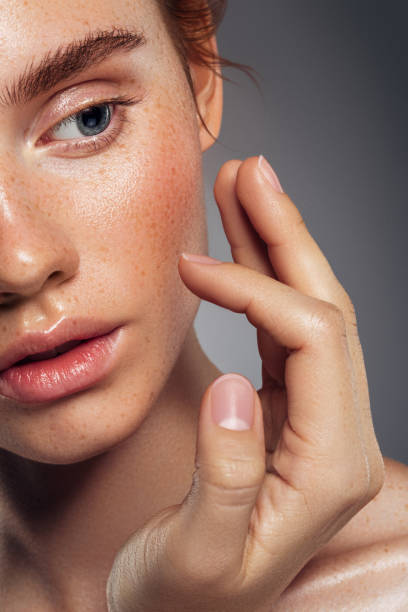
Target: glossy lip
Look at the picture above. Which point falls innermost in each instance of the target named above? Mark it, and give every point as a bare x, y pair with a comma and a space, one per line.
63, 331
77, 369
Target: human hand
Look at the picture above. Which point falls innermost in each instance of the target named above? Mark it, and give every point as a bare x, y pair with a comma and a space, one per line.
263, 500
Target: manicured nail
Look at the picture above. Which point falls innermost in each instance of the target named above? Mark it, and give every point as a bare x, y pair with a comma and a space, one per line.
269, 173
232, 402
200, 258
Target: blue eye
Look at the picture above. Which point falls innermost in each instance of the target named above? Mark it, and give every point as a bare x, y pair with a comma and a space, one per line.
91, 128
88, 122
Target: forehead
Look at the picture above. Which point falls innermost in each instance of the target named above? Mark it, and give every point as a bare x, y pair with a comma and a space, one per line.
30, 28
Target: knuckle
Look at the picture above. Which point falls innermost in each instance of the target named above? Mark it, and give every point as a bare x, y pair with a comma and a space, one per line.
366, 482
377, 477
326, 320
357, 492
348, 303
353, 483
239, 476
354, 495
354, 486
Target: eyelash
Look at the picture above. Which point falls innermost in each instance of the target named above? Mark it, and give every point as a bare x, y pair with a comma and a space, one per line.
107, 137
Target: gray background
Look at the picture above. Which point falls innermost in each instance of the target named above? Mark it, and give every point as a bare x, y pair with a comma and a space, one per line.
331, 120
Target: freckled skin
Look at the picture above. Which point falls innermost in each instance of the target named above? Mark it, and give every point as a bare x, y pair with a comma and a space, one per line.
115, 224
122, 217
80, 475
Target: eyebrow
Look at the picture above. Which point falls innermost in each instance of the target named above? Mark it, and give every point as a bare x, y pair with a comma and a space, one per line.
67, 61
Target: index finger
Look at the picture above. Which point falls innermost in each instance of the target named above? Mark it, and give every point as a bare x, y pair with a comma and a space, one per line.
318, 373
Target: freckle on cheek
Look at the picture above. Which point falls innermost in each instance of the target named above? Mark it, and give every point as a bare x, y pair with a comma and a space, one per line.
171, 203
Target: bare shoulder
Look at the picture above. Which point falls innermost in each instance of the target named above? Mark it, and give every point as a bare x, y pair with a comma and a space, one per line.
373, 577
365, 565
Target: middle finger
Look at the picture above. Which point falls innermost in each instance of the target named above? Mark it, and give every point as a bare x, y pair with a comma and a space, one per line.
289, 249
295, 256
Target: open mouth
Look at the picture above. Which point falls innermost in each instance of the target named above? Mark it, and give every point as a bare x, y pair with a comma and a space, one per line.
58, 350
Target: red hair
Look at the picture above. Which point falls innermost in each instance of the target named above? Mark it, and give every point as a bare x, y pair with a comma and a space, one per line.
191, 23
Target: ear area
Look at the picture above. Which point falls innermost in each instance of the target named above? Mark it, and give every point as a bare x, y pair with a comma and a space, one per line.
208, 87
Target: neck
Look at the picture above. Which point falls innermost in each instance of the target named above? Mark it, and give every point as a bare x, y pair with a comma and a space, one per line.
64, 523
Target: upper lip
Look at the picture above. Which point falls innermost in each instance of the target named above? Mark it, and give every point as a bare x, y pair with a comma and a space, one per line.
66, 330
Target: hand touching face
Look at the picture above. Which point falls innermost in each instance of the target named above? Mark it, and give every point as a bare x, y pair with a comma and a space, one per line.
290, 464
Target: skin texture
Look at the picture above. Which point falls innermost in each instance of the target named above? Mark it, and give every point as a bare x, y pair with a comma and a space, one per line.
315, 436
80, 475
114, 224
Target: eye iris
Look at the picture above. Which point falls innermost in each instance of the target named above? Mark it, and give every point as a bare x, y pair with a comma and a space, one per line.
89, 119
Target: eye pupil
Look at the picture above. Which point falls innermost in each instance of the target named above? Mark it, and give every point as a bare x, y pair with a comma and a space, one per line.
93, 118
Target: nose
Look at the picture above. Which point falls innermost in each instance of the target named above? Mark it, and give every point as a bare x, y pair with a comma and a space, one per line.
35, 251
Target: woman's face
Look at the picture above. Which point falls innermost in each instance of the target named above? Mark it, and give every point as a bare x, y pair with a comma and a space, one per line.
110, 219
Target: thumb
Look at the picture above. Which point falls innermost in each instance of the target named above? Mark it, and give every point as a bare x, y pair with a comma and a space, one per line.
230, 469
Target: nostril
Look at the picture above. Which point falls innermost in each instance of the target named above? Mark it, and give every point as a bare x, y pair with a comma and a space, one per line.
55, 276
6, 298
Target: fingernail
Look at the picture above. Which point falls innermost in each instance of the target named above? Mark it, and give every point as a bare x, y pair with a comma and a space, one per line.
200, 258
232, 402
269, 173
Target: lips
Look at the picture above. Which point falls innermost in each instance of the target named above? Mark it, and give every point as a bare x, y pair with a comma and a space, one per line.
34, 346
75, 370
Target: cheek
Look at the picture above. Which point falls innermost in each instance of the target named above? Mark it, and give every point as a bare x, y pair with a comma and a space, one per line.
168, 202
157, 204
161, 188
148, 208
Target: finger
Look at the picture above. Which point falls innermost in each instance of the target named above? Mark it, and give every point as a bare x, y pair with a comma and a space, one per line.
298, 261
247, 248
294, 254
212, 522
318, 370
320, 436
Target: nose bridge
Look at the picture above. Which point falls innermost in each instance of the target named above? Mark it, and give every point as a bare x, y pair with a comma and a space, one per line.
34, 247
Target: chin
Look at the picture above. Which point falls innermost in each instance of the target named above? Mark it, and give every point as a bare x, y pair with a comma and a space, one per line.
76, 428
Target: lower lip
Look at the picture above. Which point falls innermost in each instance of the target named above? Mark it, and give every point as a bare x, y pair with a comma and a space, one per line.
70, 372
